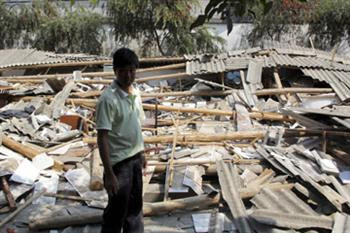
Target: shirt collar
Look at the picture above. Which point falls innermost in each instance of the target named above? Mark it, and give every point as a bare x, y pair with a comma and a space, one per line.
119, 90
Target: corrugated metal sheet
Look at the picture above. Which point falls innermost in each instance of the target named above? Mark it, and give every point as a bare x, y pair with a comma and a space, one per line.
293, 221
22, 57
268, 61
197, 67
307, 62
341, 223
283, 200
229, 179
237, 63
339, 81
286, 48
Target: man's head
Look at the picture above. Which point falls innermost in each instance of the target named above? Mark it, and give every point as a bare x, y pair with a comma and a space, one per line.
125, 62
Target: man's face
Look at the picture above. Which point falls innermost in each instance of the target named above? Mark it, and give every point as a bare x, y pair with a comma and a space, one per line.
126, 75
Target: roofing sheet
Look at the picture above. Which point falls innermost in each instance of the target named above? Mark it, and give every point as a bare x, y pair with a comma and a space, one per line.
22, 57
229, 178
338, 80
197, 67
283, 200
341, 223
308, 62
294, 221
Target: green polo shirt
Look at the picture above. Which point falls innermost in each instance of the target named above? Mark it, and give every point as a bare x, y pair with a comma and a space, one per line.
121, 114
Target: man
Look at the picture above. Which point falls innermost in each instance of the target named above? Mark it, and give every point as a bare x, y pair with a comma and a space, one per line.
118, 122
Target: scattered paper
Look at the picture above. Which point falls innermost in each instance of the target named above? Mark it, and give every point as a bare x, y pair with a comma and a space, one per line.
345, 177
42, 161
50, 185
201, 222
26, 173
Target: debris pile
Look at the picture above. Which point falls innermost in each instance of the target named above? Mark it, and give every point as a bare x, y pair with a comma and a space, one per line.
245, 141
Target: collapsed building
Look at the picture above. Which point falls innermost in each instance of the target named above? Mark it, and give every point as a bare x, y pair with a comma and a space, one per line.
244, 141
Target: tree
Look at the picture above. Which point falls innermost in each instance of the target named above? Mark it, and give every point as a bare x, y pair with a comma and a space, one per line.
330, 23
229, 9
43, 25
165, 24
285, 17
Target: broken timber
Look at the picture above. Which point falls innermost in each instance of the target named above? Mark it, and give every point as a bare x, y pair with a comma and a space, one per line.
26, 151
149, 209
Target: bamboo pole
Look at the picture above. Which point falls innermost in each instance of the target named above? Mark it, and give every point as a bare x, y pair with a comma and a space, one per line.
195, 137
290, 90
263, 92
170, 170
255, 115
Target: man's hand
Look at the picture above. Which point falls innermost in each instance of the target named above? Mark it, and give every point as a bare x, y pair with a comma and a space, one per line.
143, 161
111, 184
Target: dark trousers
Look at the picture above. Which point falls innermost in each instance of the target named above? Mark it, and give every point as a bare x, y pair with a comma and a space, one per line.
124, 210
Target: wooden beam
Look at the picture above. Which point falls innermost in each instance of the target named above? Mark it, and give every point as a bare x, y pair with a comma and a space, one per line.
276, 91
26, 151
279, 84
96, 171
7, 192
149, 209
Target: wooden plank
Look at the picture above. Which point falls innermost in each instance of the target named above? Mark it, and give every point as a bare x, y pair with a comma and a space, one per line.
279, 84
96, 171
149, 209
26, 151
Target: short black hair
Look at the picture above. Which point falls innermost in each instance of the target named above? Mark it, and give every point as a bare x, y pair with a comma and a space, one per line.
124, 57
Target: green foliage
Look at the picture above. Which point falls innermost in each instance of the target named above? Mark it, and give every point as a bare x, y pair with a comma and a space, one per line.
285, 16
65, 27
45, 26
330, 23
163, 24
77, 31
229, 9
10, 29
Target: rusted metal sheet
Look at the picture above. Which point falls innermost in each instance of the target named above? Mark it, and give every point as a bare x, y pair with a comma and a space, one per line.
229, 178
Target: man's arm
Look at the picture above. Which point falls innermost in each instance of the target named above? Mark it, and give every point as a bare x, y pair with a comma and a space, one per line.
110, 181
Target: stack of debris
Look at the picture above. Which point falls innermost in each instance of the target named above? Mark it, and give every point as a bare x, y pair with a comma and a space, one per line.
246, 141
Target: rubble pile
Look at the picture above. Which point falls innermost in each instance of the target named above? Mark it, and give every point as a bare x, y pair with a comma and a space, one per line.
245, 141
